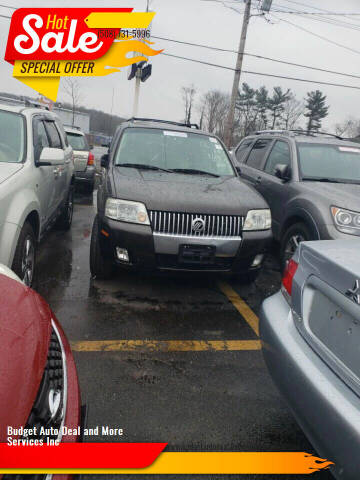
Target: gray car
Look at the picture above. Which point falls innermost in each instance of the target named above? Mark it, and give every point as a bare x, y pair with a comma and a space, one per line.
311, 183
310, 334
84, 160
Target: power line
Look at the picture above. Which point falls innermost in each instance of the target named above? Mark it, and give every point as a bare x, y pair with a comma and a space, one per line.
328, 21
324, 19
342, 14
259, 56
5, 16
262, 74
317, 35
311, 6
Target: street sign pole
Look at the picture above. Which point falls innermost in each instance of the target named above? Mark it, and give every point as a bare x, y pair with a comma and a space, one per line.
137, 92
138, 79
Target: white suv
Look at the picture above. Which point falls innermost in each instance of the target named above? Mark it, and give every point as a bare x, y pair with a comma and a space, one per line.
36, 183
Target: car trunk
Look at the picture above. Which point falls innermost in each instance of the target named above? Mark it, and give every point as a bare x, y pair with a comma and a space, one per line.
327, 303
80, 160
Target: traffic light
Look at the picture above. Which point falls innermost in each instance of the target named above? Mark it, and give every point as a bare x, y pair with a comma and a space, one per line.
132, 71
146, 72
142, 67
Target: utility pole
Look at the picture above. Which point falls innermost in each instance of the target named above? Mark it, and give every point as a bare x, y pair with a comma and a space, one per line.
235, 87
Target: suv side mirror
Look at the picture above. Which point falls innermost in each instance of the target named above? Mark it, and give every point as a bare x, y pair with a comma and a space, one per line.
283, 172
91, 147
51, 156
105, 160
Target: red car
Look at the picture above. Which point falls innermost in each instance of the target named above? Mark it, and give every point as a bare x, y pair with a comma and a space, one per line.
39, 388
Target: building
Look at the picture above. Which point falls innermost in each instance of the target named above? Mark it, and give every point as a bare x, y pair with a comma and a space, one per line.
81, 120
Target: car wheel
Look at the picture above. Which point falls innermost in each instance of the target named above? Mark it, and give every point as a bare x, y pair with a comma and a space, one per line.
24, 259
65, 220
100, 266
294, 235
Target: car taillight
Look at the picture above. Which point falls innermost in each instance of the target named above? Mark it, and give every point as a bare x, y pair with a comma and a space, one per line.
288, 276
90, 159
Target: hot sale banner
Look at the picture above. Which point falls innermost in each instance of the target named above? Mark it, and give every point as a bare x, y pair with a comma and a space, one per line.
45, 44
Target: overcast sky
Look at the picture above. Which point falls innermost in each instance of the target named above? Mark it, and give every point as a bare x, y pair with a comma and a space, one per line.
211, 23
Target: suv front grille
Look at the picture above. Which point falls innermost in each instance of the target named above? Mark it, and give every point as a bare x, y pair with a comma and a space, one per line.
174, 223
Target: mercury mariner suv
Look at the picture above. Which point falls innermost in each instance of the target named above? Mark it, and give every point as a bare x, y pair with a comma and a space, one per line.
36, 183
170, 198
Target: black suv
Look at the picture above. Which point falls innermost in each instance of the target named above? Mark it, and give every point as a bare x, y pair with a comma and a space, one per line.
311, 182
170, 198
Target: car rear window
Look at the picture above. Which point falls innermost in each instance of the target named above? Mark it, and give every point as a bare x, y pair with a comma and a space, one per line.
12, 137
173, 150
78, 142
339, 162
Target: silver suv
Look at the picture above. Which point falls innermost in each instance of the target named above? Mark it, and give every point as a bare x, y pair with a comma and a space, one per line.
36, 183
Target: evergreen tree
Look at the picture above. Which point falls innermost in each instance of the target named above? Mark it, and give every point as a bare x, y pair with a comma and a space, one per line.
276, 104
316, 110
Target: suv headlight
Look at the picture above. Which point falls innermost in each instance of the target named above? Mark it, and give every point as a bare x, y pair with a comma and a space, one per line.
258, 220
126, 211
346, 221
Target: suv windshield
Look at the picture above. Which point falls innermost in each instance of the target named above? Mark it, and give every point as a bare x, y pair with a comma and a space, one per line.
340, 163
78, 142
172, 150
12, 137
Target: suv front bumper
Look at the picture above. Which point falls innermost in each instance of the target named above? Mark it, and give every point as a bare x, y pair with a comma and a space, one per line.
161, 252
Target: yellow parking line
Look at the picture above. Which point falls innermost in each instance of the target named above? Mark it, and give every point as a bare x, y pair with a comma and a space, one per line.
240, 306
164, 345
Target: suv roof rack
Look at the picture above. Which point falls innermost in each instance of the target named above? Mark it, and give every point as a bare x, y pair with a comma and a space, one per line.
23, 101
179, 124
34, 104
271, 132
316, 132
293, 132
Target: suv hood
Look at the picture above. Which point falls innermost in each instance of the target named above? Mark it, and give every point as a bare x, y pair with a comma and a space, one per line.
186, 193
8, 169
25, 330
345, 195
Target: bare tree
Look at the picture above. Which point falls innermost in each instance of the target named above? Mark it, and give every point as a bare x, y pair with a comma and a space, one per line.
293, 110
73, 90
350, 127
214, 105
188, 95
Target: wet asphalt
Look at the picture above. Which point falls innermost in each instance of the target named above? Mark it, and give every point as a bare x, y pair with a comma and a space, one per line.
194, 401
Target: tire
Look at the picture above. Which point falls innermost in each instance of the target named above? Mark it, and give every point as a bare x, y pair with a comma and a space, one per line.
65, 219
100, 267
297, 233
24, 258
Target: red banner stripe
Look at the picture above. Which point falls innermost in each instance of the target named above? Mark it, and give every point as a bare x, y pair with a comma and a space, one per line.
80, 455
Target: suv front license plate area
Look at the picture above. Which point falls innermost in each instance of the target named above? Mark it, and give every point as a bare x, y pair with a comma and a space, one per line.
197, 254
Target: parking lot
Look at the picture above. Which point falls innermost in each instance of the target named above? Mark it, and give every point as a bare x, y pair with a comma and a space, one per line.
168, 358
